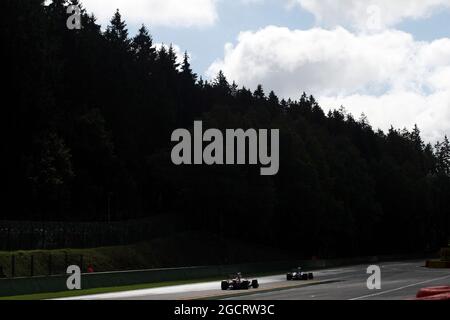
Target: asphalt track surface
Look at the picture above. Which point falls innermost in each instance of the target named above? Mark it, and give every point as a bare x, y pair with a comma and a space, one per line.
400, 281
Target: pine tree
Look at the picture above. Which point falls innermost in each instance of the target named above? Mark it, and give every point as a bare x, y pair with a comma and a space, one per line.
443, 156
117, 32
172, 57
416, 139
273, 99
234, 89
259, 93
364, 121
57, 17
143, 48
162, 54
186, 70
221, 81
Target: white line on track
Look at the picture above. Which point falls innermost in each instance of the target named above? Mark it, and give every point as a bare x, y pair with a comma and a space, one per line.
399, 288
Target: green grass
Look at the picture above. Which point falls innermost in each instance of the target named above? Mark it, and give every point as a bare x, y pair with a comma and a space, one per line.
77, 293
185, 249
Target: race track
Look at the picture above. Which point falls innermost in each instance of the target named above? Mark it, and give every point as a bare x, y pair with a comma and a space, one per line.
400, 281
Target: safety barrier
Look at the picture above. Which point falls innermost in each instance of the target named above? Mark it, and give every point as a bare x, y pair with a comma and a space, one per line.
438, 297
428, 292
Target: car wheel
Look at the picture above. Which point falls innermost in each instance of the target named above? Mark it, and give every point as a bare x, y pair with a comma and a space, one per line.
225, 285
255, 284
311, 276
289, 277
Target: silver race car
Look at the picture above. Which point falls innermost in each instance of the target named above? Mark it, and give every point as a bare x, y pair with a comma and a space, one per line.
298, 274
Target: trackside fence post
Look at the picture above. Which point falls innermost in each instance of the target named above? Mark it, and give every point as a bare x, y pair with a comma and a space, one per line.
13, 266
32, 266
50, 264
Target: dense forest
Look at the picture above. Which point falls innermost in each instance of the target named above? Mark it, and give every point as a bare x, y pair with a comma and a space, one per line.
86, 126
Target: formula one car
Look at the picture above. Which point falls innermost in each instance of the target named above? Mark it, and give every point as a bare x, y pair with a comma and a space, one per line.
237, 282
298, 274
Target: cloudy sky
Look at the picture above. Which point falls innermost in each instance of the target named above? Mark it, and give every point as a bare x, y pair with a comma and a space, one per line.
389, 59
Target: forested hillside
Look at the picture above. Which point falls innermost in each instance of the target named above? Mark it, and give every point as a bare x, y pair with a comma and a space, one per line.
86, 125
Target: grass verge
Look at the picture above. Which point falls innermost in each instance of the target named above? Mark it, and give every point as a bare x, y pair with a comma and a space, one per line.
79, 293
184, 249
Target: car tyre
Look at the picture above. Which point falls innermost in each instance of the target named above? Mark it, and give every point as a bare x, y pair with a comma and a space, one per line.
225, 285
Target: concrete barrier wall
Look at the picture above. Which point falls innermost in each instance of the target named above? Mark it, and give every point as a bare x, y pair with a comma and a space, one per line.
24, 286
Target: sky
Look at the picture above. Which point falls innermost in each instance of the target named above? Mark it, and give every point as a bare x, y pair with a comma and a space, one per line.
388, 59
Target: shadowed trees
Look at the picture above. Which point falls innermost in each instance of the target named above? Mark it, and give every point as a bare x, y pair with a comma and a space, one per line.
88, 127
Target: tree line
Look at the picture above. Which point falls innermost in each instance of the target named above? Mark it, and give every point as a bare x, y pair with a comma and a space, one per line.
86, 137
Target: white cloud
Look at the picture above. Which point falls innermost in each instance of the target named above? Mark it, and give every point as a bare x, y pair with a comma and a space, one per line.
389, 76
172, 13
373, 14
247, 2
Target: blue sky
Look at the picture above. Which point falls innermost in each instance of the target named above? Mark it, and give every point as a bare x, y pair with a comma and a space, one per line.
207, 44
436, 27
387, 59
